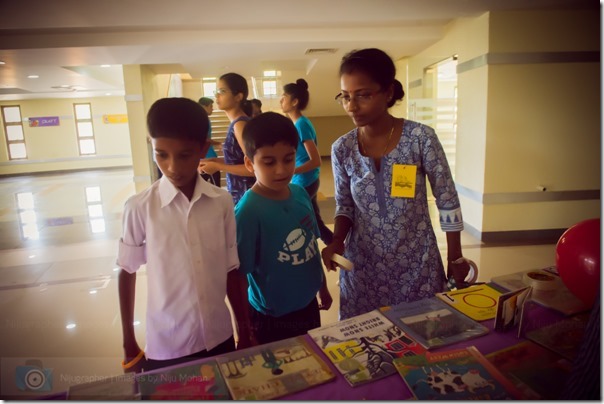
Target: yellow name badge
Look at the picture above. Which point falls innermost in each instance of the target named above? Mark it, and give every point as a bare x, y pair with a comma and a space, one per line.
403, 181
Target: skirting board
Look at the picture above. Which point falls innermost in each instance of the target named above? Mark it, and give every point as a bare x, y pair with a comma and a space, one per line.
545, 236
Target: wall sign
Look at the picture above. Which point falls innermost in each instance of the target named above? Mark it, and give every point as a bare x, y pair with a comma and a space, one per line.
44, 121
115, 118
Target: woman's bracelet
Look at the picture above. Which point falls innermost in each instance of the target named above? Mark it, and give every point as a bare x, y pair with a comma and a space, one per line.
134, 361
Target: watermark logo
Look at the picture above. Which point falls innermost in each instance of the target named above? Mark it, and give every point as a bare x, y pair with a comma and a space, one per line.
33, 376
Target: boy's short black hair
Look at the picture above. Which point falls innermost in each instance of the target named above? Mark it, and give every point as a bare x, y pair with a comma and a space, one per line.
178, 118
205, 101
268, 129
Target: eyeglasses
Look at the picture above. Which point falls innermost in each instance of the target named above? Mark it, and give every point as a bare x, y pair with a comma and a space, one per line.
360, 98
220, 91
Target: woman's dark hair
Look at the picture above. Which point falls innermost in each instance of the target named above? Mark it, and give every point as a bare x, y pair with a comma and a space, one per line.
178, 118
298, 91
237, 84
376, 64
268, 129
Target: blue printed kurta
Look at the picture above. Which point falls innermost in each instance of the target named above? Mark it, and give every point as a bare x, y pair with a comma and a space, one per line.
236, 184
392, 243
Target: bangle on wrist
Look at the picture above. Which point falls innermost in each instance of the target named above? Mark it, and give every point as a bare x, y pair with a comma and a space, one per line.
134, 361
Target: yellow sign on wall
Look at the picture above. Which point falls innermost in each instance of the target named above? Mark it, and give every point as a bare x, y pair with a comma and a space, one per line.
115, 118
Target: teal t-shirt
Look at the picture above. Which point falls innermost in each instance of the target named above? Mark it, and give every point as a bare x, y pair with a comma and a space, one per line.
305, 132
211, 152
278, 250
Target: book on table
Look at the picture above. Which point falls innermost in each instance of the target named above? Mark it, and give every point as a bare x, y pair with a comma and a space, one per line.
433, 323
538, 372
459, 374
196, 380
548, 289
510, 310
563, 337
363, 347
479, 302
273, 370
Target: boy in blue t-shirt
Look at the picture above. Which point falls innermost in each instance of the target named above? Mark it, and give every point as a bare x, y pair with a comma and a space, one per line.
277, 236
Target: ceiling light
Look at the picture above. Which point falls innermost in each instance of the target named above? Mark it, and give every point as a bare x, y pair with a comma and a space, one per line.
314, 51
33, 76
2, 62
105, 65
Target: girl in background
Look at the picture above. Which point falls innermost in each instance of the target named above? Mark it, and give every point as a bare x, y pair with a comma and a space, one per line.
231, 97
308, 161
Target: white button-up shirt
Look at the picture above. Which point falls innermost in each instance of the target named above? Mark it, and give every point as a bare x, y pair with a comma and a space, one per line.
189, 247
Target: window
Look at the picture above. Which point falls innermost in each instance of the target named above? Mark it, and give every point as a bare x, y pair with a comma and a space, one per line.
209, 86
13, 128
269, 87
84, 129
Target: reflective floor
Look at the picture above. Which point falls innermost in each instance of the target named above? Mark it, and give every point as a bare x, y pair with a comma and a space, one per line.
58, 284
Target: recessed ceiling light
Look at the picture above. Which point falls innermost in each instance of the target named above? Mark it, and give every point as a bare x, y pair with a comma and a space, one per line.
2, 62
33, 76
105, 65
70, 326
107, 93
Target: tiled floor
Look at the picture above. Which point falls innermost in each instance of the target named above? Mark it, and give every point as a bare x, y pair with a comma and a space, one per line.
58, 286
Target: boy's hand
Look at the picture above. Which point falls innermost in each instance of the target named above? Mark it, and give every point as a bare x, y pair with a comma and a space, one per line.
134, 359
336, 247
325, 299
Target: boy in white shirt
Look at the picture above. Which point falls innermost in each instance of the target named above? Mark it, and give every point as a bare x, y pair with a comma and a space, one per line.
183, 229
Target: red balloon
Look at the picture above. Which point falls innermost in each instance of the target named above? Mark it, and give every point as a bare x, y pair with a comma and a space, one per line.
578, 259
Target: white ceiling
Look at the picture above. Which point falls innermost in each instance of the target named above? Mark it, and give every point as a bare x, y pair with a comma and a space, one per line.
65, 42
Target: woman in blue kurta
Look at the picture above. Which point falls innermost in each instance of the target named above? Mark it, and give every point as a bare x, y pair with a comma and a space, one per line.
231, 97
382, 218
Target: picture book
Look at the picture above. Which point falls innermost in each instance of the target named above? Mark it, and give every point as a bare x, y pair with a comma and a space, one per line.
198, 380
116, 388
548, 289
273, 370
433, 323
460, 374
362, 348
510, 309
563, 337
538, 372
479, 302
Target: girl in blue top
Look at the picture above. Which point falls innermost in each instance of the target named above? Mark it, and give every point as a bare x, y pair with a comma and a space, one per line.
293, 101
231, 97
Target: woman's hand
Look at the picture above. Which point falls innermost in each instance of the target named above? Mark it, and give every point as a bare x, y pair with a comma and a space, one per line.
336, 247
134, 359
208, 166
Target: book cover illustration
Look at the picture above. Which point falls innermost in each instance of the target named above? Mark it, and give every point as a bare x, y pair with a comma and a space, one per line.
363, 347
273, 370
538, 372
433, 323
118, 388
459, 374
548, 289
479, 302
563, 337
510, 309
194, 381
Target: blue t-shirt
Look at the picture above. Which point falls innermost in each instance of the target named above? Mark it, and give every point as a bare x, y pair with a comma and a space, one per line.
211, 152
278, 250
305, 132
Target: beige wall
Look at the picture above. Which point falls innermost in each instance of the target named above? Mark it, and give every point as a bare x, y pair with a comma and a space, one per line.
55, 148
329, 129
528, 116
